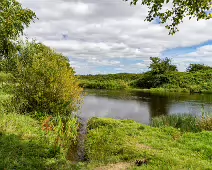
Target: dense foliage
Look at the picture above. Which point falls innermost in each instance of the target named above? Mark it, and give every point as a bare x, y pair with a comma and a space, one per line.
110, 77
193, 82
109, 81
178, 10
198, 67
161, 66
37, 81
162, 76
45, 82
13, 19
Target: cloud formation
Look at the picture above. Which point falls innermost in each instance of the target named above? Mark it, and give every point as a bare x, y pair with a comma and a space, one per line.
98, 35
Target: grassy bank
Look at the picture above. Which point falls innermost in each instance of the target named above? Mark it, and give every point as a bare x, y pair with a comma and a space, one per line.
119, 144
110, 144
25, 146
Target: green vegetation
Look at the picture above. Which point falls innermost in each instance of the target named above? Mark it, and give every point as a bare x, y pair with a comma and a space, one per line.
45, 82
175, 15
162, 77
185, 123
25, 145
161, 66
198, 67
112, 144
39, 95
13, 19
112, 85
198, 82
110, 81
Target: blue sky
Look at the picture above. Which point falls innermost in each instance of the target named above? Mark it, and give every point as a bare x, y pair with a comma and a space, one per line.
174, 52
101, 37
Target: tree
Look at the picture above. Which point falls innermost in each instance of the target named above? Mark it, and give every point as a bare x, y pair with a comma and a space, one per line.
161, 66
45, 82
197, 67
158, 74
13, 19
180, 9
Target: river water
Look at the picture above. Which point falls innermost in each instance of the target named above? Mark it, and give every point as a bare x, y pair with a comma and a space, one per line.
140, 106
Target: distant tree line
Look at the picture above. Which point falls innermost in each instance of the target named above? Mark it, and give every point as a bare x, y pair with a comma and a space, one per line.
162, 66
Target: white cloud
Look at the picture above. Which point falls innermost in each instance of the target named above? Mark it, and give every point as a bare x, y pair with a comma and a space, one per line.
202, 55
141, 65
109, 30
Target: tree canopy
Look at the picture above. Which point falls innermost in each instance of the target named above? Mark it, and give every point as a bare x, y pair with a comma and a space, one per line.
13, 19
198, 67
161, 66
179, 9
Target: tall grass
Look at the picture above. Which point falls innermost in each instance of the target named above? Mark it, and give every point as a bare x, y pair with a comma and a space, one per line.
186, 123
24, 144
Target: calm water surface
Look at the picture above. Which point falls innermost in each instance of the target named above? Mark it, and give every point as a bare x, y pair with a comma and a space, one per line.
140, 106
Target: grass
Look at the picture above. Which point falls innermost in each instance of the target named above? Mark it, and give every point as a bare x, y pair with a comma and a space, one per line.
110, 144
115, 143
24, 146
185, 123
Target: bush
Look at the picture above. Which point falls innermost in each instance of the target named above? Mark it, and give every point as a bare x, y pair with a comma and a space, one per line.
150, 80
6, 82
45, 82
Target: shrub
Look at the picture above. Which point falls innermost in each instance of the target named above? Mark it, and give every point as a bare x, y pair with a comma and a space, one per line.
45, 82
6, 82
150, 80
197, 67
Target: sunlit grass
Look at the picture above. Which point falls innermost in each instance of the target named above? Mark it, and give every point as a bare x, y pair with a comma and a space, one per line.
23, 145
185, 123
111, 142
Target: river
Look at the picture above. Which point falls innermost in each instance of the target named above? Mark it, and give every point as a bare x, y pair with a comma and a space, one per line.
140, 106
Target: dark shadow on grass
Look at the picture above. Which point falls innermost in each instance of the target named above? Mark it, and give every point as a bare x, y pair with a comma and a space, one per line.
18, 154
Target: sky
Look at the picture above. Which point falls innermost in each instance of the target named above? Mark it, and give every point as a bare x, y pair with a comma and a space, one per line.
110, 36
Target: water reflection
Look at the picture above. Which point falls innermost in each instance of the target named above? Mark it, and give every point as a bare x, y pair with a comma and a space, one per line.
158, 105
140, 106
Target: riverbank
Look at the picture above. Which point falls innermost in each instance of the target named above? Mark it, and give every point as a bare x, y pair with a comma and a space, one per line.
110, 144
125, 144
122, 85
24, 145
185, 82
